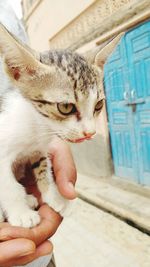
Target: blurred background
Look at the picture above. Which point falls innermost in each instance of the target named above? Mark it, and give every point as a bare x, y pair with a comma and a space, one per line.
85, 26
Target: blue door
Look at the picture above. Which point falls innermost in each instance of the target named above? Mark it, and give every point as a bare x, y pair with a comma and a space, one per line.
127, 88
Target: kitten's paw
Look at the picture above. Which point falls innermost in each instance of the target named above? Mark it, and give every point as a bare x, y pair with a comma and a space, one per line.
28, 218
67, 210
32, 201
57, 202
59, 206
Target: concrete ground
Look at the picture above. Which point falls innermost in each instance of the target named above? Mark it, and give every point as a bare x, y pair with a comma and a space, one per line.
128, 200
92, 237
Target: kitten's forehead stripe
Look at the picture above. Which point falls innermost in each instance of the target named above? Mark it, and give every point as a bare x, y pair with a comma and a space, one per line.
75, 66
97, 94
76, 96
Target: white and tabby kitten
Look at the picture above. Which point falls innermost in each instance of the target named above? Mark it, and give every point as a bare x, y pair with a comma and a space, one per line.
55, 93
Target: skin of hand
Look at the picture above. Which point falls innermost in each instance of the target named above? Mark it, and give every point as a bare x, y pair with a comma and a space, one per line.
18, 245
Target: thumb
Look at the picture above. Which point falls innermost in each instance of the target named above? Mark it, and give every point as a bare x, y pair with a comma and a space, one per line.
63, 167
13, 249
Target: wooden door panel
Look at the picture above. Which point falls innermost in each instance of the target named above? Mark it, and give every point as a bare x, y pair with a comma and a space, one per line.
138, 51
119, 115
127, 86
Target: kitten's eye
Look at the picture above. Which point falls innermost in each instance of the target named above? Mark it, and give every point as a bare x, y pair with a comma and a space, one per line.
66, 109
99, 105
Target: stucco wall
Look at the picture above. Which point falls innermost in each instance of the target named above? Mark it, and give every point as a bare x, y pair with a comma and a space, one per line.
94, 157
87, 22
49, 17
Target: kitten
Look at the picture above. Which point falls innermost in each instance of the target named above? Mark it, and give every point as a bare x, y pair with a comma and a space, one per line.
54, 93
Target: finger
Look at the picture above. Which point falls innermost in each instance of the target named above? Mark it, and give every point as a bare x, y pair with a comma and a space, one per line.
13, 249
50, 223
11, 232
64, 168
44, 249
3, 225
48, 226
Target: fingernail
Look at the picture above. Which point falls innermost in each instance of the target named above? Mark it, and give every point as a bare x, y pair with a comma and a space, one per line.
26, 253
47, 253
71, 186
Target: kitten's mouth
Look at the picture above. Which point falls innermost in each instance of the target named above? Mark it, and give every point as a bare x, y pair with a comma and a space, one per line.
79, 140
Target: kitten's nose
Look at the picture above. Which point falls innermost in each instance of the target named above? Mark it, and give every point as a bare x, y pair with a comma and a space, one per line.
89, 135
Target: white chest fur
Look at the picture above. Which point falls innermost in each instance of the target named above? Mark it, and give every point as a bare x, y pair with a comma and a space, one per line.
22, 133
21, 127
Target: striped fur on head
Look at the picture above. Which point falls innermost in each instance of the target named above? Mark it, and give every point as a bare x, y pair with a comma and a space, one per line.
75, 66
51, 78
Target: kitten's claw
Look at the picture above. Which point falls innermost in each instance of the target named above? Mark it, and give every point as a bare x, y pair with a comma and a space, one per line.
32, 201
26, 219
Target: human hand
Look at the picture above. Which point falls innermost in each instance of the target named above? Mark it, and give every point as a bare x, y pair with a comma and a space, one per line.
63, 167
19, 246
18, 241
64, 171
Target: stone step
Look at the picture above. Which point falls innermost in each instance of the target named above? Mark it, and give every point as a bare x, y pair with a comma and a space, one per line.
91, 237
127, 200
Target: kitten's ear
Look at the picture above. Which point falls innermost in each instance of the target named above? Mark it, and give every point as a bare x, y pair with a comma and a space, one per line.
106, 51
20, 61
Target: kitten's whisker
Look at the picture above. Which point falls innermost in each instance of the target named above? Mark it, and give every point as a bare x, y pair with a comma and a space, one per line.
117, 72
47, 137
